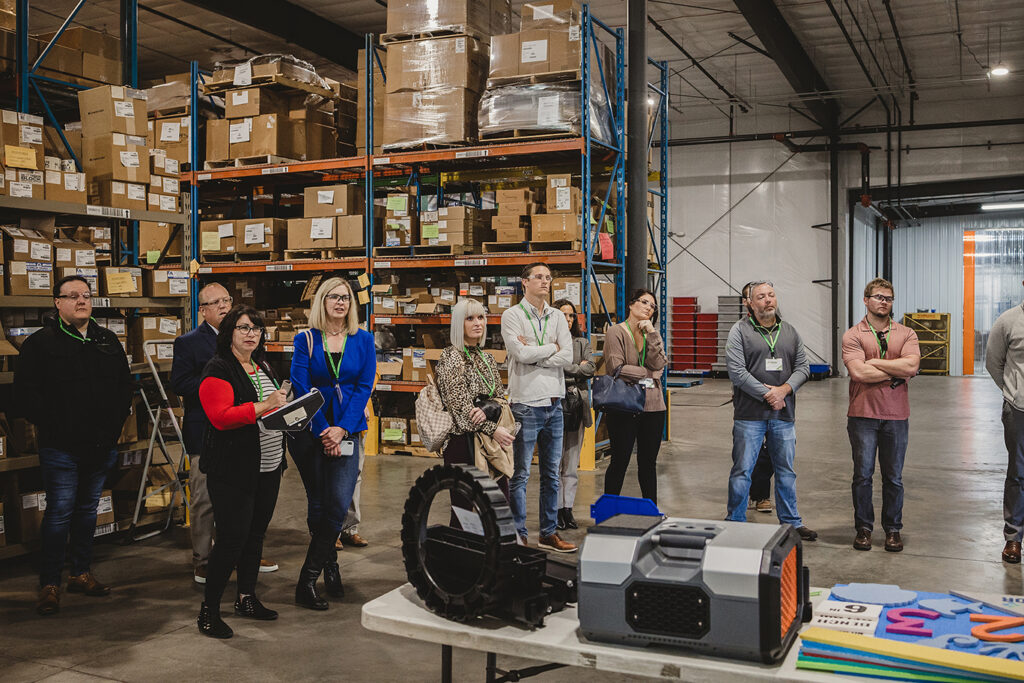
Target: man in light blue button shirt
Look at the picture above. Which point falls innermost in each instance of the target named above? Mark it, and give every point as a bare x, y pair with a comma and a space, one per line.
539, 345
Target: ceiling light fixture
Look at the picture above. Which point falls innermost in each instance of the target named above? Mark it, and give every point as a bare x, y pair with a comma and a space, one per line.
998, 70
650, 102
1002, 207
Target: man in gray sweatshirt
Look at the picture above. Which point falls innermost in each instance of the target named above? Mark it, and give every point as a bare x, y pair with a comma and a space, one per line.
767, 365
1004, 360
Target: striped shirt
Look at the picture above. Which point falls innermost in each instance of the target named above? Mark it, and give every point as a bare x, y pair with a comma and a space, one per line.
271, 446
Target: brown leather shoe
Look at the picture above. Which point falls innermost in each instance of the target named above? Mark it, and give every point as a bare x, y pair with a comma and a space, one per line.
338, 545
1011, 552
353, 539
863, 540
807, 534
553, 542
893, 542
87, 583
49, 600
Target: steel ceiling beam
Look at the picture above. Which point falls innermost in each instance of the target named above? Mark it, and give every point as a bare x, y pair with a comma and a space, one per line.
294, 24
789, 55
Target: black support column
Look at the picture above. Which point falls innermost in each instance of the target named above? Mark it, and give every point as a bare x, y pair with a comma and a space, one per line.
636, 149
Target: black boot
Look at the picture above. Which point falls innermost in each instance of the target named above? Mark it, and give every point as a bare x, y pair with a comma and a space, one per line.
570, 521
320, 547
210, 623
332, 577
560, 524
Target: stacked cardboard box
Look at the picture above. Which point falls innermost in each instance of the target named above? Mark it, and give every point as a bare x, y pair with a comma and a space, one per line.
515, 207
158, 328
33, 506
216, 237
260, 236
63, 182
81, 56
21, 155
115, 155
116, 281
164, 187
99, 237
460, 227
171, 135
153, 237
159, 282
332, 219
28, 256
75, 257
401, 220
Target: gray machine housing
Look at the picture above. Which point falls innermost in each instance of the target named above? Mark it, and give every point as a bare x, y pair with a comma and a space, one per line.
703, 585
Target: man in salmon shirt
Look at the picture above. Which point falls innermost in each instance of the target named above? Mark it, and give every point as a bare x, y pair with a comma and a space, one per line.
880, 355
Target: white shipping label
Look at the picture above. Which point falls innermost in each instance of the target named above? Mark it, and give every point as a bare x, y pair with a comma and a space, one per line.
171, 185
34, 177
243, 74
119, 140
149, 323
117, 187
30, 118
124, 109
547, 110
85, 257
118, 326
31, 135
388, 302
137, 192
53, 177
558, 182
10, 117
541, 12
239, 97
476, 290
254, 233
74, 182
574, 34
225, 230
418, 360
159, 276
168, 203
2, 528
170, 132
106, 505
31, 501
155, 182
325, 196
533, 51
130, 159
171, 165
41, 501
63, 254
563, 198
177, 286
239, 132
41, 252
460, 45
504, 302
168, 326
101, 233
39, 281
21, 190
164, 351
321, 228
18, 268
11, 174
20, 246
417, 99
68, 166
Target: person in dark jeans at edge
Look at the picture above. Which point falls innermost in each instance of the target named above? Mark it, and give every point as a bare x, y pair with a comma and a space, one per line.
192, 352
767, 365
73, 383
880, 355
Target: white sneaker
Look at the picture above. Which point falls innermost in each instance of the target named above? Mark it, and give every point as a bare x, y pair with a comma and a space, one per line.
199, 576
267, 566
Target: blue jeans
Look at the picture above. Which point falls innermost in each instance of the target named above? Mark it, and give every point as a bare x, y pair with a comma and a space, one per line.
73, 487
747, 437
329, 482
887, 438
1013, 486
542, 426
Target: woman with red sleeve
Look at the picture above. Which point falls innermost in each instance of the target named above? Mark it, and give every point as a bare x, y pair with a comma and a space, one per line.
242, 465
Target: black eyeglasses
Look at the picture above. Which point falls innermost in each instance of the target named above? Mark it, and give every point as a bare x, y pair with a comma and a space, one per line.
248, 330
333, 298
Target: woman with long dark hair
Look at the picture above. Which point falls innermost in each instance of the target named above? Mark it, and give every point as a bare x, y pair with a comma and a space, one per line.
242, 465
576, 414
635, 350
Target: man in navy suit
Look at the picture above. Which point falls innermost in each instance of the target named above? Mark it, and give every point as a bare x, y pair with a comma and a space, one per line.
191, 353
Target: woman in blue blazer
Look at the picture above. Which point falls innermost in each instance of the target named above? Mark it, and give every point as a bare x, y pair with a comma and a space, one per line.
339, 359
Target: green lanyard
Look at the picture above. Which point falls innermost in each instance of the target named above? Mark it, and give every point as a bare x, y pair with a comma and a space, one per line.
543, 332
255, 379
879, 342
643, 354
71, 334
335, 369
771, 342
491, 384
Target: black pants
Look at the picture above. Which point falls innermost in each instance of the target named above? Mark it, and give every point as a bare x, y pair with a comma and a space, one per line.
241, 518
761, 478
645, 431
461, 450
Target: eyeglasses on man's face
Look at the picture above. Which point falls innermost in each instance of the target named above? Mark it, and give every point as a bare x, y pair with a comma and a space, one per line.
335, 298
249, 330
76, 296
219, 302
882, 298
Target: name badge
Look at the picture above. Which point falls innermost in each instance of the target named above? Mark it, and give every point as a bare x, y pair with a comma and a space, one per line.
348, 447
773, 364
647, 383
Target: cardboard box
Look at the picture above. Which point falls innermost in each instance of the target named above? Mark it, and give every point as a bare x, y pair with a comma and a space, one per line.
161, 164
159, 282
394, 431
97, 236
154, 236
267, 134
520, 201
21, 140
253, 102
117, 157
25, 244
256, 235
165, 184
120, 281
332, 200
87, 40
535, 51
217, 236
29, 278
458, 213
511, 222
352, 231
400, 232
105, 508
438, 116
561, 196
414, 365
217, 140
571, 288
117, 194
102, 69
18, 182
558, 227
65, 186
33, 505
504, 56
312, 233
389, 370
482, 17
91, 275
551, 14
73, 254
112, 109
154, 328
171, 134
158, 201
453, 62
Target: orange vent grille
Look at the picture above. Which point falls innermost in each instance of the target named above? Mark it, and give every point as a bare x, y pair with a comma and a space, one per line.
788, 592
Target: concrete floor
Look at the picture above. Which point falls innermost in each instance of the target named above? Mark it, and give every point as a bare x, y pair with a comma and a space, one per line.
146, 629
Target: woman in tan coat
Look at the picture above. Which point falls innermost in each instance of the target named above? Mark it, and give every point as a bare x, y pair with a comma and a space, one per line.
636, 347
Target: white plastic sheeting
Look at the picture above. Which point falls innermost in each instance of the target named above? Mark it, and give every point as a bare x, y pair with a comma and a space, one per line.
867, 259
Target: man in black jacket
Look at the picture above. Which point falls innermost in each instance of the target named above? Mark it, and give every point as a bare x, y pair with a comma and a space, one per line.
73, 383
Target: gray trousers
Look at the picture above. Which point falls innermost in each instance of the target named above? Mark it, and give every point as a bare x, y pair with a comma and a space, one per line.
1013, 487
572, 444
351, 524
200, 515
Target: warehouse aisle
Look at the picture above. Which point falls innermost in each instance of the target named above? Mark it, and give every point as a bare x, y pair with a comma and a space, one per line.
146, 629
